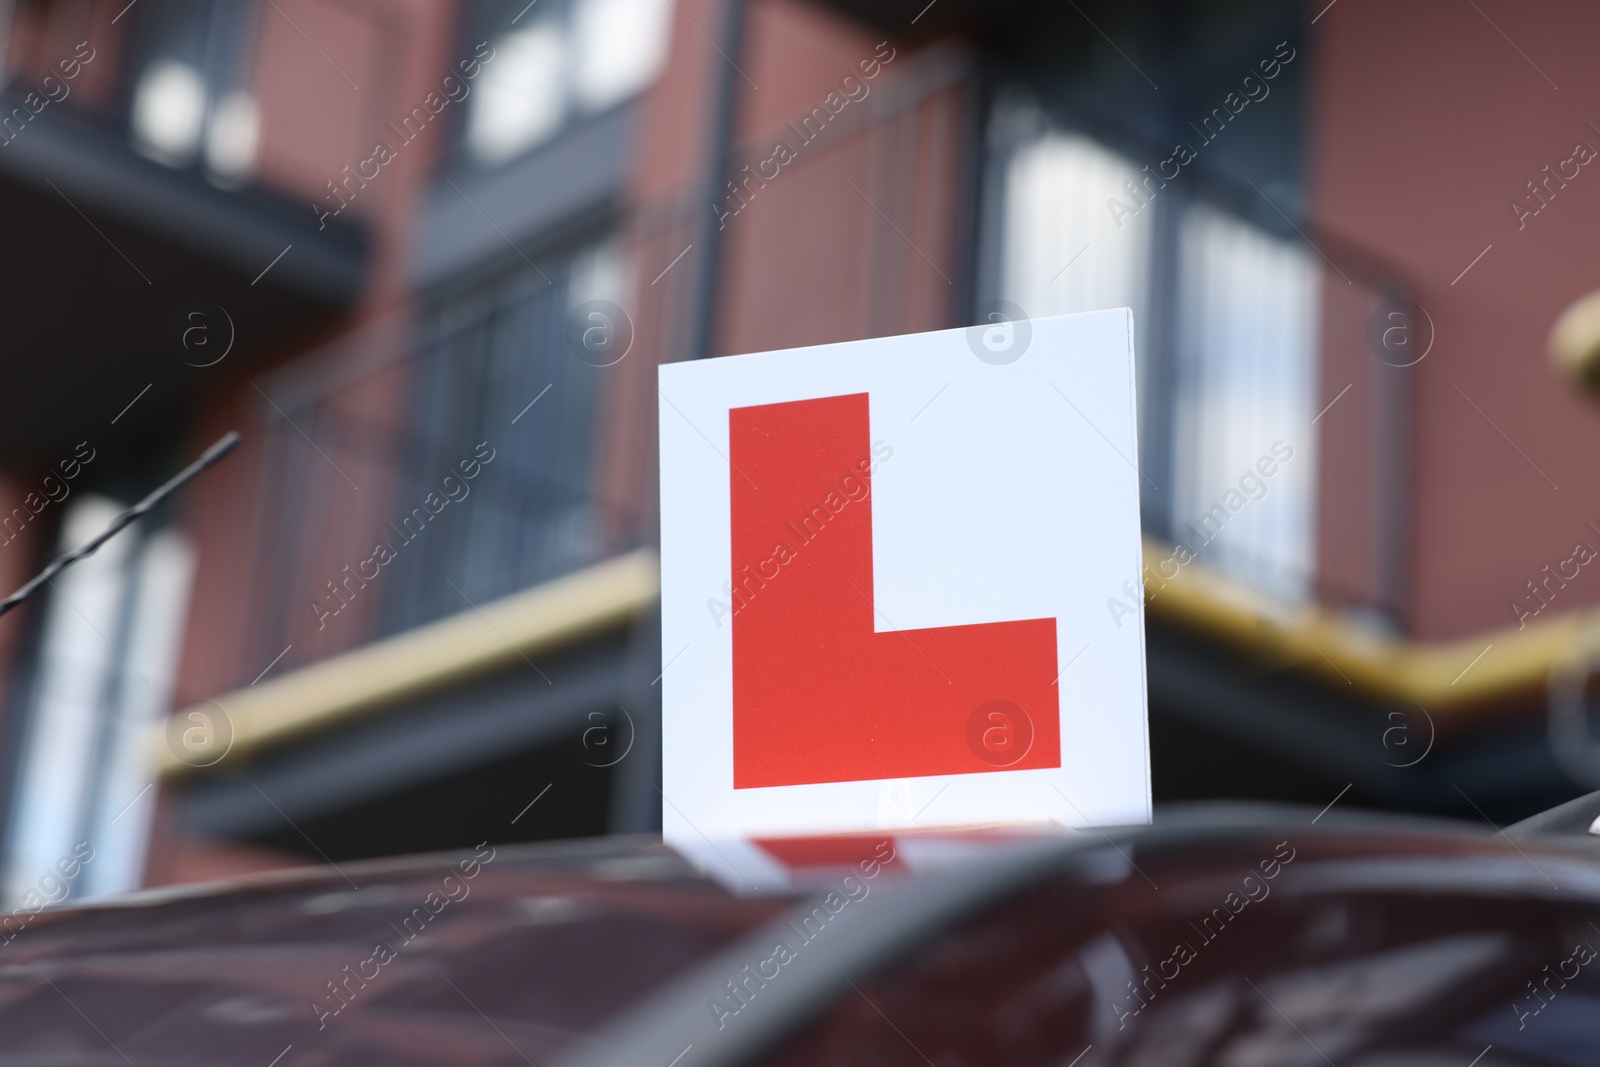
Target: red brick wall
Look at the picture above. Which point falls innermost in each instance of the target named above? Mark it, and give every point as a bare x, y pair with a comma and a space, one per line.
1425, 120
810, 259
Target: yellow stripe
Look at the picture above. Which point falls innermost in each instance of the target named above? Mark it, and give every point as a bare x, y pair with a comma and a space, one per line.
1339, 651
433, 656
1344, 653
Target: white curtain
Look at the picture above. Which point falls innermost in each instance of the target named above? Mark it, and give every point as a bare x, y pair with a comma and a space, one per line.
106, 665
1246, 380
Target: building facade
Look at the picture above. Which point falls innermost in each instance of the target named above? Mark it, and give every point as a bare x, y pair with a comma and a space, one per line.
426, 258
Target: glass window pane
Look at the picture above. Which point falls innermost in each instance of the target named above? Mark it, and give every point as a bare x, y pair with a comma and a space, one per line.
1064, 248
169, 109
1245, 397
619, 46
521, 94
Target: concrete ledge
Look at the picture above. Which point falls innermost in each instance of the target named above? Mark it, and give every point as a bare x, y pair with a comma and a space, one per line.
427, 658
1440, 675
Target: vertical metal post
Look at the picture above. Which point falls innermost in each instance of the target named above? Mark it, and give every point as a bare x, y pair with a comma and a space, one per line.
702, 323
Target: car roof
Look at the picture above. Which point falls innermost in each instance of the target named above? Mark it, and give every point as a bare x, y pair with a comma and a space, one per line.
602, 952
752, 997
550, 941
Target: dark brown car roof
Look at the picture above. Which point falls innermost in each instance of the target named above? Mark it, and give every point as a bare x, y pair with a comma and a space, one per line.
508, 955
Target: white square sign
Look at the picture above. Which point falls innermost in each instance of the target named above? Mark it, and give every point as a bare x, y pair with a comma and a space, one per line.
885, 574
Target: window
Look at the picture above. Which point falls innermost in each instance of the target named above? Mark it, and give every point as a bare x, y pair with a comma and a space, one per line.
461, 438
521, 96
619, 46
494, 368
107, 659
557, 60
1246, 388
189, 101
1062, 252
1225, 323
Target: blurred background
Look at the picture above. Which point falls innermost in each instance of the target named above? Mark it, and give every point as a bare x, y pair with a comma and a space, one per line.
426, 256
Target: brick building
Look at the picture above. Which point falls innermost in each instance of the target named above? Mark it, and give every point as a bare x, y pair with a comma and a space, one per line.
427, 256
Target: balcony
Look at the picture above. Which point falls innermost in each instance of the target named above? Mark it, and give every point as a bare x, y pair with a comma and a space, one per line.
115, 248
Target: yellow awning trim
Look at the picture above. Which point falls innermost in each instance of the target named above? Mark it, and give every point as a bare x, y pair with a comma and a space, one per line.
427, 658
1458, 674
1439, 675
